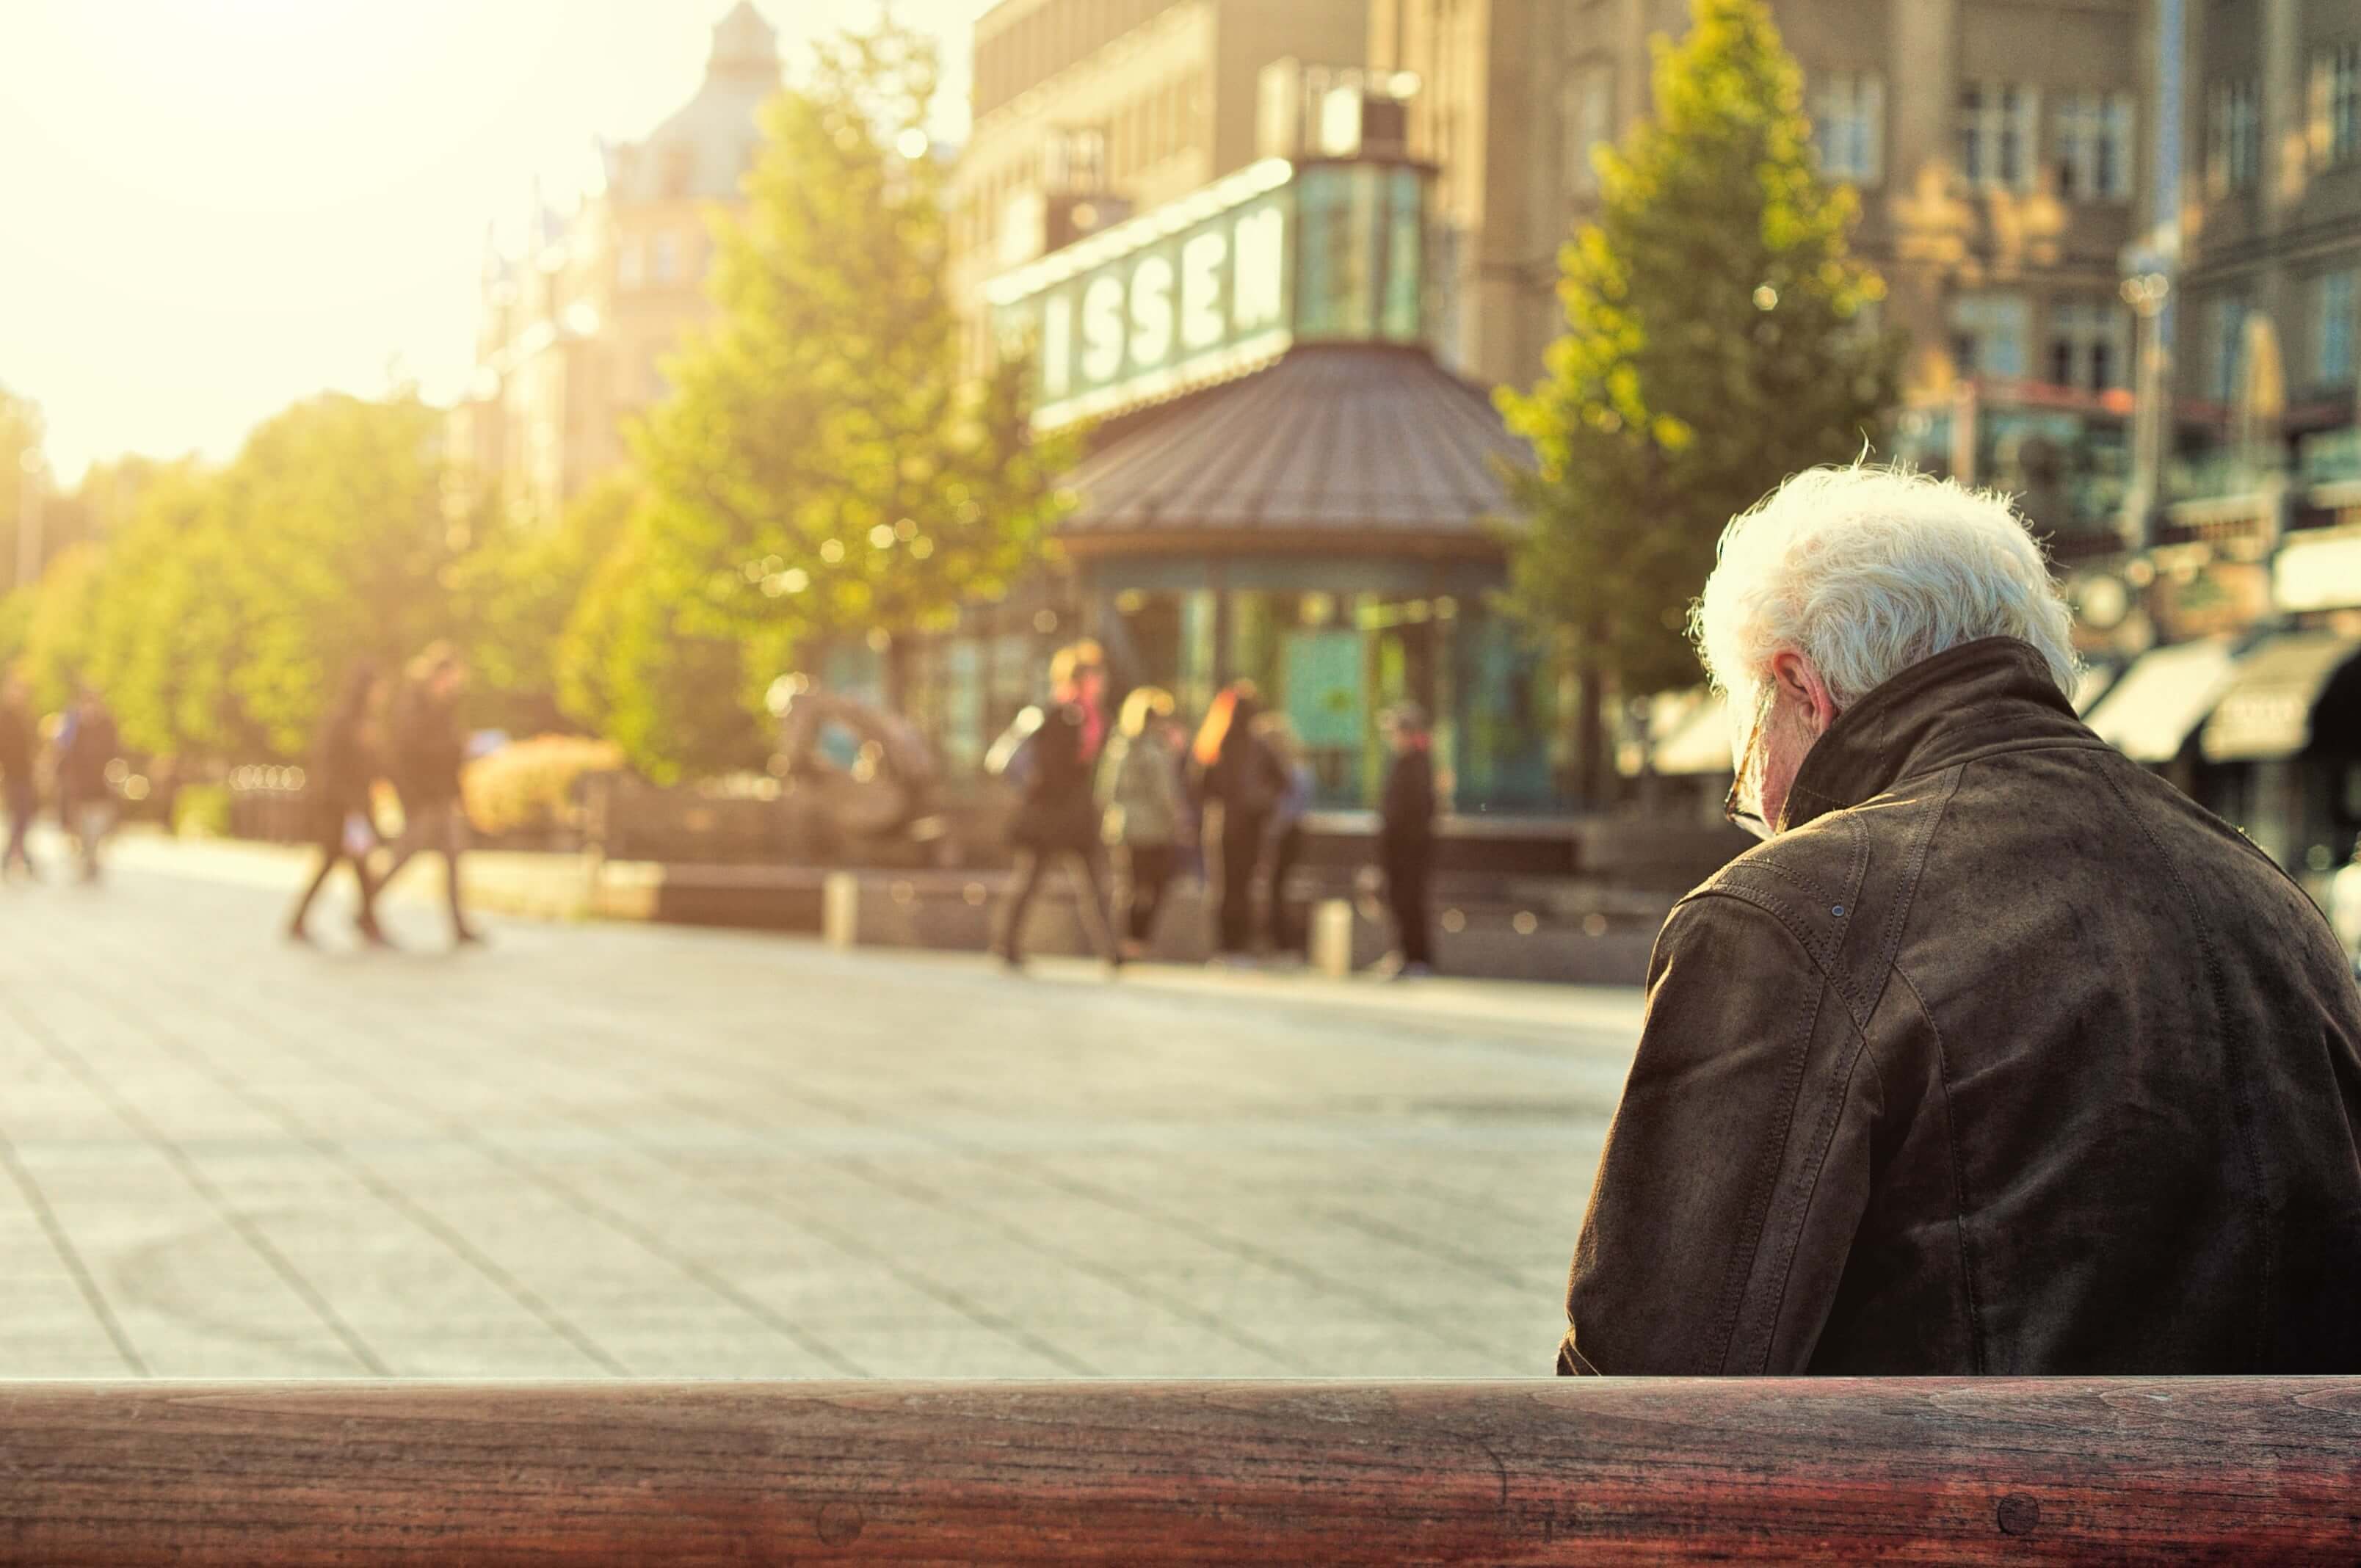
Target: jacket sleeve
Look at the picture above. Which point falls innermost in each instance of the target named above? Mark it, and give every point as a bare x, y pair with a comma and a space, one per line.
1737, 1167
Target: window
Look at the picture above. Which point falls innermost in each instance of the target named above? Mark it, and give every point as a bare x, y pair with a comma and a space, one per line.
1998, 141
2336, 104
2335, 328
631, 265
667, 267
1849, 126
1589, 120
2086, 344
2092, 150
2233, 137
2228, 342
1989, 333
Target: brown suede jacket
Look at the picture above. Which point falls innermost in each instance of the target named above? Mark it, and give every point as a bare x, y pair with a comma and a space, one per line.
2003, 1057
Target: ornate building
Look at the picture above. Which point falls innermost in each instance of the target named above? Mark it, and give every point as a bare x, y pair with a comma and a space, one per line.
1999, 147
577, 317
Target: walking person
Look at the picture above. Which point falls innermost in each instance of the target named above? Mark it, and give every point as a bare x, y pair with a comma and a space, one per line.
86, 744
1406, 838
429, 747
19, 791
1241, 783
1285, 847
344, 766
1047, 754
1146, 809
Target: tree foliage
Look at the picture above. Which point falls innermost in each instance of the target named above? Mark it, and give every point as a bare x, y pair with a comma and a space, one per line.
629, 665
1717, 339
822, 468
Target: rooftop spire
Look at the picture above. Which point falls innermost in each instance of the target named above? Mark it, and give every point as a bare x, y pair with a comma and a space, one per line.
744, 45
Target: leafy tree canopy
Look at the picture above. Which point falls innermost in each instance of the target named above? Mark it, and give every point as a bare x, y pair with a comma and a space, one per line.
822, 467
1718, 338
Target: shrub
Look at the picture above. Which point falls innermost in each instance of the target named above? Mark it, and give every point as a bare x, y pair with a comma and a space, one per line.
529, 785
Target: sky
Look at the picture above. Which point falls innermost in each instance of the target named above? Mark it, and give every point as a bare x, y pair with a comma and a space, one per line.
212, 208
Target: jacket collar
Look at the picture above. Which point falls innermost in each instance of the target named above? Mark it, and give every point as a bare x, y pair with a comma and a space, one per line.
1995, 691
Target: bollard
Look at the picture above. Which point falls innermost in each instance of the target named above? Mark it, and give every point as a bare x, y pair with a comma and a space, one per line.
839, 909
1332, 937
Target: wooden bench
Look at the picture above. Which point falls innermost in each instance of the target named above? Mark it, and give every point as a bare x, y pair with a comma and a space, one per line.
683, 1473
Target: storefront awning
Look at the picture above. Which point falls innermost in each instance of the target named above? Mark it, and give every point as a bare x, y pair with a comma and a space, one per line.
2267, 710
1348, 448
2149, 714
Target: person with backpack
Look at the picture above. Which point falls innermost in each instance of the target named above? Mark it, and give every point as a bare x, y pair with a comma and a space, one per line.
1047, 754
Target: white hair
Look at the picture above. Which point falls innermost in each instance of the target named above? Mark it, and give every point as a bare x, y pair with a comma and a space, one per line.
1866, 570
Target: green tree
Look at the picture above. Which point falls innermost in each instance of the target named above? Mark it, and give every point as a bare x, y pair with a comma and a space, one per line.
1714, 342
169, 631
680, 702
338, 507
822, 468
59, 641
516, 588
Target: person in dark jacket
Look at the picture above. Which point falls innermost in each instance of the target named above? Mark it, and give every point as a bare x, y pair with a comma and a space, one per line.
19, 791
343, 767
1406, 838
1241, 784
2000, 1055
1048, 754
1286, 832
86, 744
429, 747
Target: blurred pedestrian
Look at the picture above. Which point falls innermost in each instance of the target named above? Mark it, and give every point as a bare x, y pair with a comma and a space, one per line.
344, 768
19, 791
1048, 755
428, 749
1286, 849
1146, 808
87, 742
1085, 678
1406, 836
1241, 783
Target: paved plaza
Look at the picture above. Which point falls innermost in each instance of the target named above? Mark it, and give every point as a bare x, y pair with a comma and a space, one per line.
611, 1150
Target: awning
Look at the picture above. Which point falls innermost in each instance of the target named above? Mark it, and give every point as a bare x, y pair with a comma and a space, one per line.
2267, 710
2149, 714
1350, 447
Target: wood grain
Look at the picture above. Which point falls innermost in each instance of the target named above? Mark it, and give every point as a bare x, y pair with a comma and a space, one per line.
1989, 1470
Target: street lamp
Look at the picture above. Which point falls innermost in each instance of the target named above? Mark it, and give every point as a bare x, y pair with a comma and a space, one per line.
2146, 287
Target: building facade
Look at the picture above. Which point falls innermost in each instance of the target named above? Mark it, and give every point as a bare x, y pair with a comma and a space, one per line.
1998, 147
1085, 111
577, 314
2233, 607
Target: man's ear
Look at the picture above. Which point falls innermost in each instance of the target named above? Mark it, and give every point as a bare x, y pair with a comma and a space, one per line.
1799, 681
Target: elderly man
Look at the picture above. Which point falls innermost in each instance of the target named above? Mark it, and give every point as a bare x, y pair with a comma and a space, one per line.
2001, 1055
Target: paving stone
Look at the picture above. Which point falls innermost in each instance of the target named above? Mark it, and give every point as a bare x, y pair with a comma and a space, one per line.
611, 1150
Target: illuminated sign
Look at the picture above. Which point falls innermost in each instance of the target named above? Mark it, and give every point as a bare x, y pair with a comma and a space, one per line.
1221, 281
